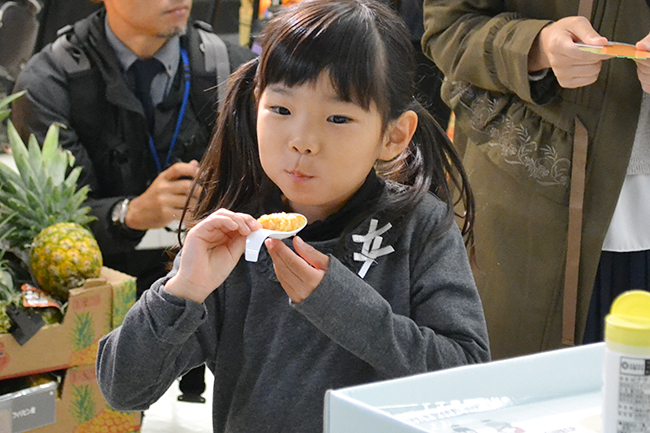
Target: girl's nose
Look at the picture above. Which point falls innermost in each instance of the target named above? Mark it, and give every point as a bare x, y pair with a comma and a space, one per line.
300, 147
305, 141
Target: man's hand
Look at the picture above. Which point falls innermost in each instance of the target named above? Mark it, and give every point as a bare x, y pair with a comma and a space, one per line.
298, 273
555, 47
164, 200
643, 66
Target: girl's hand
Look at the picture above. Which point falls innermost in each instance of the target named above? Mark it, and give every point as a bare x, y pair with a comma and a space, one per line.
298, 273
211, 250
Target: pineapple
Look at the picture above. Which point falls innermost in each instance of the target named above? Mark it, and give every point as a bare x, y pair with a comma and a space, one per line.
41, 195
63, 256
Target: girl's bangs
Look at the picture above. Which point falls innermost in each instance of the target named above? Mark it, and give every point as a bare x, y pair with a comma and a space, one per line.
342, 43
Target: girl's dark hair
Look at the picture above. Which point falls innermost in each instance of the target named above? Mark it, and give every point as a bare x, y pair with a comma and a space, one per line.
366, 51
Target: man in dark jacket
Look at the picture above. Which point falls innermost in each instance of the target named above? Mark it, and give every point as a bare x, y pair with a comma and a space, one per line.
135, 86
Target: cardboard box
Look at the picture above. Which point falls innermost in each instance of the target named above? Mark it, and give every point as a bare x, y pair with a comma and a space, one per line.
82, 408
556, 391
124, 292
28, 408
93, 310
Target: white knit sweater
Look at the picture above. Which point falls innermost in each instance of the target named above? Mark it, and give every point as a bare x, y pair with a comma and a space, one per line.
640, 158
629, 229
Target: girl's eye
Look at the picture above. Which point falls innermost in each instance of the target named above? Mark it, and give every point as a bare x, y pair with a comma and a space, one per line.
338, 119
280, 110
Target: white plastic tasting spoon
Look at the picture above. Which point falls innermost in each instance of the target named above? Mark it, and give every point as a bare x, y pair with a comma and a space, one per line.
254, 240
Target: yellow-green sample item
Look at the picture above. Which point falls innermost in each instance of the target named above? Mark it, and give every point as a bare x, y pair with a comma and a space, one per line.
626, 371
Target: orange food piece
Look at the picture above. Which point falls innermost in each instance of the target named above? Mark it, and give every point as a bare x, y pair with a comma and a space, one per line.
282, 221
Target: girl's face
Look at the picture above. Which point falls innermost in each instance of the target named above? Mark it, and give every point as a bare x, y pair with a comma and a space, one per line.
315, 147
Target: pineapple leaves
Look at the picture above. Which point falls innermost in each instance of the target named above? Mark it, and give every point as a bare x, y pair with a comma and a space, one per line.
4, 102
5, 232
72, 178
7, 174
44, 191
20, 153
60, 159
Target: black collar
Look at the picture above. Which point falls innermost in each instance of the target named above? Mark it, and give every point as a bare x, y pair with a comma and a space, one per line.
334, 225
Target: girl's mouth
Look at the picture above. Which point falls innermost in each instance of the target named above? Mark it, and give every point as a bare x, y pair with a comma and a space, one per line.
298, 176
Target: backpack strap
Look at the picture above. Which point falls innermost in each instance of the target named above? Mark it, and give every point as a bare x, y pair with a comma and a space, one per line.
69, 56
73, 60
216, 59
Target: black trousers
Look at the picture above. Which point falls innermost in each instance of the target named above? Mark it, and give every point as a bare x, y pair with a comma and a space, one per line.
193, 382
617, 273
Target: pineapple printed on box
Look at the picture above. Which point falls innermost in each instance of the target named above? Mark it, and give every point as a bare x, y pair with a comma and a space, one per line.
92, 414
84, 343
107, 420
124, 294
83, 409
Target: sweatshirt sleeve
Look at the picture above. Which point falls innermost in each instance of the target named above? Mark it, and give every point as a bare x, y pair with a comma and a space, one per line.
157, 342
445, 326
477, 42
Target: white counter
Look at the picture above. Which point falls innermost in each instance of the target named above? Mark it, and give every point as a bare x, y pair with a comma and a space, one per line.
556, 391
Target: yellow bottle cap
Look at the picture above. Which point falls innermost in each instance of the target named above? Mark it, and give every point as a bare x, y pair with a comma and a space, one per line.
628, 321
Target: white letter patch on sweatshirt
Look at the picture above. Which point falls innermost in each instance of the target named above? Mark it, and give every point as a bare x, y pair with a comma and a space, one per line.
371, 248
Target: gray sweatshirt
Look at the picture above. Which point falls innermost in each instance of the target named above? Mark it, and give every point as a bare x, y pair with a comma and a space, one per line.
416, 309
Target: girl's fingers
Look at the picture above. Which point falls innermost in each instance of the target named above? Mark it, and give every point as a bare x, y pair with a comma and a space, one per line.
311, 255
233, 221
299, 275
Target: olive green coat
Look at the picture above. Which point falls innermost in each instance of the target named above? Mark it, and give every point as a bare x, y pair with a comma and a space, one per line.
518, 154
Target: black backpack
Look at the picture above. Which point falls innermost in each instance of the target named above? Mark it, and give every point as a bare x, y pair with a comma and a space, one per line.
216, 66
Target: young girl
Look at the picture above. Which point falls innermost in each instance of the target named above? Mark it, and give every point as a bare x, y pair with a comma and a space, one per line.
377, 286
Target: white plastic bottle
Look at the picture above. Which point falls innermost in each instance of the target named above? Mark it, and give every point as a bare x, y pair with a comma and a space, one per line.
626, 381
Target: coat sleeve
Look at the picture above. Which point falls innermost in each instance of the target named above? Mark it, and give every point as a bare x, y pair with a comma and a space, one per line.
478, 42
48, 101
444, 326
157, 342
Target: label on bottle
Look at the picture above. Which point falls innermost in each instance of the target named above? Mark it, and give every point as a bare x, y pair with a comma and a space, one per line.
626, 407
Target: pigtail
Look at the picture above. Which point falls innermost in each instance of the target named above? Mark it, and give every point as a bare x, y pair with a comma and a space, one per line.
230, 168
445, 169
430, 163
230, 171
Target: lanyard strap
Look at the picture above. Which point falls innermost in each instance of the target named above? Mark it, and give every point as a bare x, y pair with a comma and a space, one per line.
181, 114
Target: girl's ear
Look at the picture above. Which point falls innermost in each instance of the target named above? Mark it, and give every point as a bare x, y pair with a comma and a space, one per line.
398, 135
